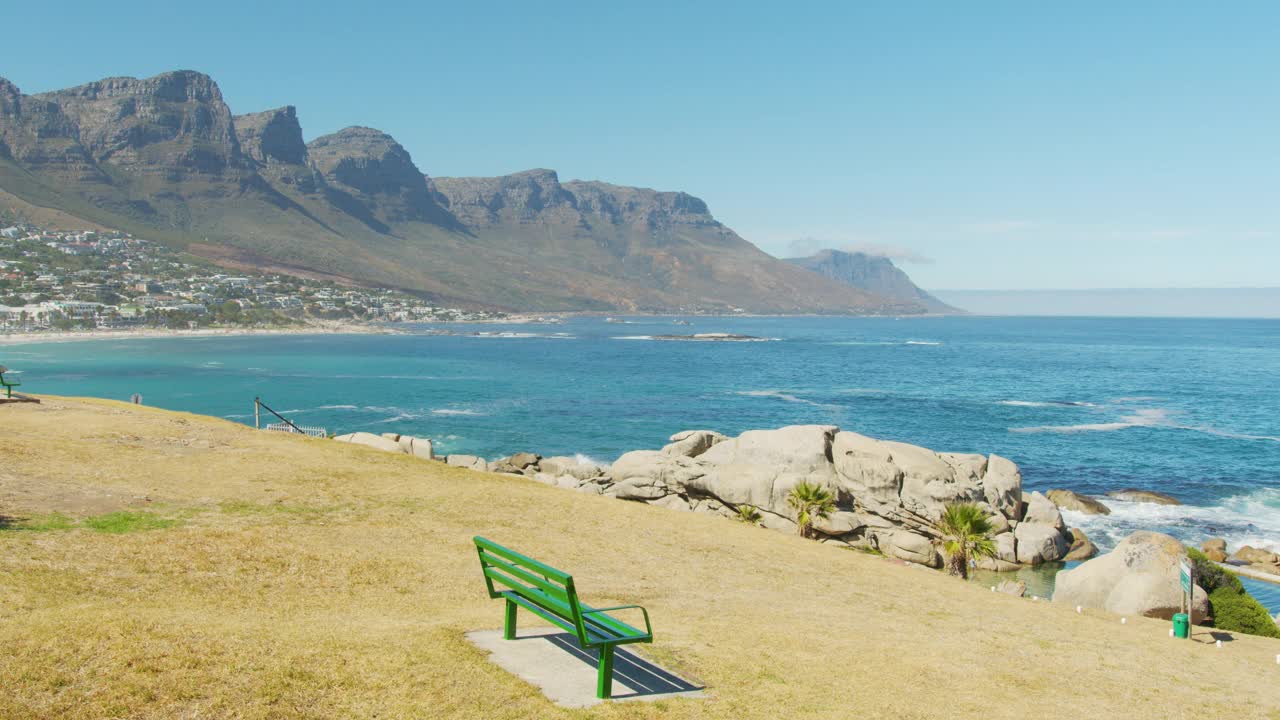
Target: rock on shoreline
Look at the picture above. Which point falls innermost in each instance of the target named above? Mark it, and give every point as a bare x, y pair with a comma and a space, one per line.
888, 494
1139, 577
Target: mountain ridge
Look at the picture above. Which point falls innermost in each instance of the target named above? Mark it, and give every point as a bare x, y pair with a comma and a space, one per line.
874, 274
165, 157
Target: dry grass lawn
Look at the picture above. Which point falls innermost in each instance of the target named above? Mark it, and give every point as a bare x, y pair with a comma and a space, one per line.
258, 575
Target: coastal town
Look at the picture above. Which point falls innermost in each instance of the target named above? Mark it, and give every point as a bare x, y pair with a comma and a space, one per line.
76, 280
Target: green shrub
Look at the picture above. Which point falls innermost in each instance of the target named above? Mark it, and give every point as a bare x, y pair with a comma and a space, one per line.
1232, 607
1210, 575
1240, 612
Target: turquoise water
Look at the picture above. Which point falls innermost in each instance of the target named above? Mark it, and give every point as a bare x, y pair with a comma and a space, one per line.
1187, 407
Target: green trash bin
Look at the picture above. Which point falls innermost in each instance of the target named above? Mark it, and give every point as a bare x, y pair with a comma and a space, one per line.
1181, 625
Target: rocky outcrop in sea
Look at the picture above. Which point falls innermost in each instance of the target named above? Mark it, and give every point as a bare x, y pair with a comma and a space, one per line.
888, 494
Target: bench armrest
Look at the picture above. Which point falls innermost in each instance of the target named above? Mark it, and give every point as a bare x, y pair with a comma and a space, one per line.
648, 629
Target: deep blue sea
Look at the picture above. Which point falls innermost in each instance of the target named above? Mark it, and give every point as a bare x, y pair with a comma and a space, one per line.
1186, 407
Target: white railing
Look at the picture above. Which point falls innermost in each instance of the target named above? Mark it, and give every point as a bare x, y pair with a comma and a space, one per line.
308, 430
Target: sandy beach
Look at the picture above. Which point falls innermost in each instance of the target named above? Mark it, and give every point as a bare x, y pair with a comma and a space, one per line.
319, 328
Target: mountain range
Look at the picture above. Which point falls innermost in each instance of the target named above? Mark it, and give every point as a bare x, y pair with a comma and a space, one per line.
165, 158
874, 274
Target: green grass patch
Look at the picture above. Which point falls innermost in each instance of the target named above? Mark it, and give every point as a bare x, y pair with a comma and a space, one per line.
38, 523
117, 523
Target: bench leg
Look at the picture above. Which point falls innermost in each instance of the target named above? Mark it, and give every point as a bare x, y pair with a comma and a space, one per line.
604, 674
509, 623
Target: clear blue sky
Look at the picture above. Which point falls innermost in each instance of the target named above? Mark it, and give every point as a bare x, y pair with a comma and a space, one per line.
1010, 144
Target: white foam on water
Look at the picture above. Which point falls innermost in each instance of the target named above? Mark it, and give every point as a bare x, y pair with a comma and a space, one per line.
1024, 403
1249, 519
401, 416
510, 335
587, 460
777, 394
1047, 403
336, 407
632, 337
921, 342
1148, 417
863, 342
455, 411
1228, 434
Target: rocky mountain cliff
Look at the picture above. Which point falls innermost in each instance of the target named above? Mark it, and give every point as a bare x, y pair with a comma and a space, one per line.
871, 273
165, 158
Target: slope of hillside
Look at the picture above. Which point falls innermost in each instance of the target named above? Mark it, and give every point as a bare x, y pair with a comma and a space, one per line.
200, 568
665, 243
873, 274
165, 157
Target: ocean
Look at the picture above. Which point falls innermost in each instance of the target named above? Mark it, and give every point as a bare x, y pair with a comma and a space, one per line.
1186, 407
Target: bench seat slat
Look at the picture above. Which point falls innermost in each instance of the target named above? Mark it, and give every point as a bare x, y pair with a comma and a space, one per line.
596, 634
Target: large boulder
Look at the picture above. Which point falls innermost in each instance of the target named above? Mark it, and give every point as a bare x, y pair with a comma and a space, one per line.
796, 447
910, 547
1082, 548
865, 470
1254, 556
1039, 543
1006, 547
1144, 496
641, 488
929, 484
467, 461
1041, 510
1068, 500
672, 471
1218, 544
1002, 486
967, 467
692, 443
760, 467
522, 460
1139, 577
370, 440
839, 523
416, 446
1215, 549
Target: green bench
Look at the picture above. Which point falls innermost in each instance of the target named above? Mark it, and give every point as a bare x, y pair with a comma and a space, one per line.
8, 385
550, 594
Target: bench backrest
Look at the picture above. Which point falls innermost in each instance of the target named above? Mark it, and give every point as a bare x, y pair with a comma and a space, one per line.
548, 588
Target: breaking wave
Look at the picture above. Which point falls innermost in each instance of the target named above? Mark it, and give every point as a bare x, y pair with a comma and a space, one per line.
1249, 519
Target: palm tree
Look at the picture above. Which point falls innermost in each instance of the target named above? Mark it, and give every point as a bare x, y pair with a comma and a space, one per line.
965, 535
749, 514
811, 502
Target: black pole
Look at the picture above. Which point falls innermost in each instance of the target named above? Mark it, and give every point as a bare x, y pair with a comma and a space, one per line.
283, 419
